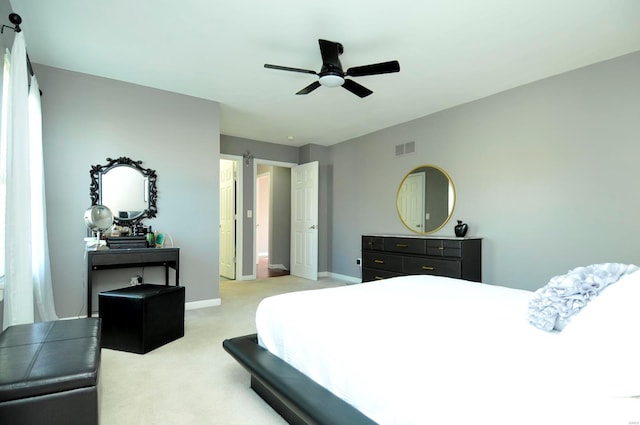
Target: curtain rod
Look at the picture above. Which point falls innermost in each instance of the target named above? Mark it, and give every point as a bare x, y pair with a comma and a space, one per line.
16, 20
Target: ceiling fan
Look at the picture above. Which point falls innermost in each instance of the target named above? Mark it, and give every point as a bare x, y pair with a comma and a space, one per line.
332, 75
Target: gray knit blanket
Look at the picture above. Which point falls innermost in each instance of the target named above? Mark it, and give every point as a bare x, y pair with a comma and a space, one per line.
553, 305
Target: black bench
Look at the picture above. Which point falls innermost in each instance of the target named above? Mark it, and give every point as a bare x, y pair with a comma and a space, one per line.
296, 397
49, 373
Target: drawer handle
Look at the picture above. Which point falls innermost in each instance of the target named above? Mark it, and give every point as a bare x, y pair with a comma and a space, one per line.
402, 245
378, 278
441, 248
378, 261
428, 268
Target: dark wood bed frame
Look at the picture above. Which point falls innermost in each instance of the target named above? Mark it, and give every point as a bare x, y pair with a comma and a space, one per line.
296, 397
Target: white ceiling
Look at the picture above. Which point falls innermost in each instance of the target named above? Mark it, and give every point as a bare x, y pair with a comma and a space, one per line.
450, 52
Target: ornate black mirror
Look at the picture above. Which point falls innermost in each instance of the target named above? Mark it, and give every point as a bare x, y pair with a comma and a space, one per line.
426, 199
126, 188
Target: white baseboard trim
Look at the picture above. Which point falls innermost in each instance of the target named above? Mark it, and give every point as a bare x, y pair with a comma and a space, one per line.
277, 267
350, 279
194, 305
344, 277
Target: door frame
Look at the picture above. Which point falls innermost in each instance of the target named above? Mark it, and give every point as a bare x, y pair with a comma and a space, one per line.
238, 200
256, 162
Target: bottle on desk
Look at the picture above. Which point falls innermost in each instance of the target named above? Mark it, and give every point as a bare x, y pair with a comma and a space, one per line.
151, 238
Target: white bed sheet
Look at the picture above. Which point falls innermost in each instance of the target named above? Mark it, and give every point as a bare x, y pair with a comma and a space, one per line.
433, 350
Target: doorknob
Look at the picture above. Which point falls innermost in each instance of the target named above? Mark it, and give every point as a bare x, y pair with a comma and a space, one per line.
315, 226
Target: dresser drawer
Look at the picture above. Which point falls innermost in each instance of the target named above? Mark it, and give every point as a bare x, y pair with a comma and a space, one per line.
372, 242
379, 260
444, 248
374, 274
416, 265
405, 245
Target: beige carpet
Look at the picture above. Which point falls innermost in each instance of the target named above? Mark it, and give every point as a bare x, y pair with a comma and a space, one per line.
193, 380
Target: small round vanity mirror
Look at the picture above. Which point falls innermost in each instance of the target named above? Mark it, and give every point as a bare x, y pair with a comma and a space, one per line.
98, 218
426, 199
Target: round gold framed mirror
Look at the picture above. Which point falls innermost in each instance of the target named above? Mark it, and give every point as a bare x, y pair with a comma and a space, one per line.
426, 199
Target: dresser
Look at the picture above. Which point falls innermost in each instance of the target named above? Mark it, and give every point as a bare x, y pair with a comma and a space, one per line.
385, 256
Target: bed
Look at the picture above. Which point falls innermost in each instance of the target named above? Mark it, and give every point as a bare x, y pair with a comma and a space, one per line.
435, 350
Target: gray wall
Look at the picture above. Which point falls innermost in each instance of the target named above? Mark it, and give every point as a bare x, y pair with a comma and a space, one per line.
546, 173
87, 119
7, 34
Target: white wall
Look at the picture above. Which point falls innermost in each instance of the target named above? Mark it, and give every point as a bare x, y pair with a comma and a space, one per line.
546, 173
87, 119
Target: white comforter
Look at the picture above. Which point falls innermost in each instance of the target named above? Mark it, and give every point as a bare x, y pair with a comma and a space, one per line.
433, 350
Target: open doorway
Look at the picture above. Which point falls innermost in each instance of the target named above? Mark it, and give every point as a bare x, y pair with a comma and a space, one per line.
273, 220
280, 245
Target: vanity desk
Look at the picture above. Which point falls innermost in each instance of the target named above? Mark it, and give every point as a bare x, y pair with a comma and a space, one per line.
133, 257
385, 256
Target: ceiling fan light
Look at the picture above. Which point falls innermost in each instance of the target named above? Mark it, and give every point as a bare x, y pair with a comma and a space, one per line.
331, 80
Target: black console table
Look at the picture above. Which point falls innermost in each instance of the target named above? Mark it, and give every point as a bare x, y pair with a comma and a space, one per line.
134, 257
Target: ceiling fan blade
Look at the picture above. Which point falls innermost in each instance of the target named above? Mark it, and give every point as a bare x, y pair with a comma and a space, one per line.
287, 68
311, 87
357, 89
330, 50
374, 69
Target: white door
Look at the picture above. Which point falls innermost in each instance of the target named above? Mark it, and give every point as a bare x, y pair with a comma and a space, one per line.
227, 219
304, 220
411, 201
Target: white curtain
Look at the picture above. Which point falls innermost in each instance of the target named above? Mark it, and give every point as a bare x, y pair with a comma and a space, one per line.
42, 286
27, 276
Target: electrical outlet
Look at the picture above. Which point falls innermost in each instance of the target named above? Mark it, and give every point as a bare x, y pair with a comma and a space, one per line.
358, 261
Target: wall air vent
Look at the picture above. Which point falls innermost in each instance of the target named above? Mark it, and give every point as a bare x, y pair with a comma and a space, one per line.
405, 148
409, 147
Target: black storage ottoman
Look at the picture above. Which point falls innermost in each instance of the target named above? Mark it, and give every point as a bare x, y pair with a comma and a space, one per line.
49, 373
141, 318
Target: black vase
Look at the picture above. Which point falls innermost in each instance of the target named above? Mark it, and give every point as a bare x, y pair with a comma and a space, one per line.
461, 229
